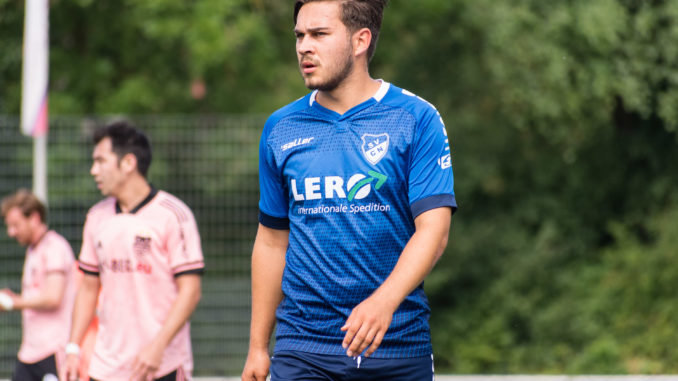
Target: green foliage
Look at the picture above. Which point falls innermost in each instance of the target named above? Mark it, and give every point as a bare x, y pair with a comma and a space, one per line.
144, 56
559, 120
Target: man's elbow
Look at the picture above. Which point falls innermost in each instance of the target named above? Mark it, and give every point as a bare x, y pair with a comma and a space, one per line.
52, 302
441, 247
197, 295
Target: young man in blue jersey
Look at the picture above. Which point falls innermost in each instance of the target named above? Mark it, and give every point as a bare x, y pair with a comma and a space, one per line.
356, 199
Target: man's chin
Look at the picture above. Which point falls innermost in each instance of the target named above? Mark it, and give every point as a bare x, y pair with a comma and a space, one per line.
320, 86
311, 85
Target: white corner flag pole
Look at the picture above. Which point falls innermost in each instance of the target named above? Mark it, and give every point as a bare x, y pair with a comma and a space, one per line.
34, 88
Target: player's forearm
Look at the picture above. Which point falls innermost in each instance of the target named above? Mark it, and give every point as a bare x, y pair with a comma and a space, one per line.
268, 263
41, 302
418, 258
188, 297
50, 295
84, 307
266, 296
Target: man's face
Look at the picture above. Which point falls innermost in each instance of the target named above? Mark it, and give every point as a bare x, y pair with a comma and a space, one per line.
19, 226
106, 168
324, 48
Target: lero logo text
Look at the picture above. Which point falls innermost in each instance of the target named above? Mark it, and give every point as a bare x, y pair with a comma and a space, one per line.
357, 187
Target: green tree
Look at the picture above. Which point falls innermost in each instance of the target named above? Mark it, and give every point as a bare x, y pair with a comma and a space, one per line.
154, 56
561, 118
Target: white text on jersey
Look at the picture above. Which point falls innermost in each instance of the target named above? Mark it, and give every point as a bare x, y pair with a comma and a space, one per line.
357, 187
296, 142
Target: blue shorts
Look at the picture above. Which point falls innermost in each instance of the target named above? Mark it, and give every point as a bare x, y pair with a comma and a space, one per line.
302, 366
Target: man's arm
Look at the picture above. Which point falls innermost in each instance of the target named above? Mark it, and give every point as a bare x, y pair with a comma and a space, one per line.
50, 295
189, 293
83, 312
268, 262
369, 321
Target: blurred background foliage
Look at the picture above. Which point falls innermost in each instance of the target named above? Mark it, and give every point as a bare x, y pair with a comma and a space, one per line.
562, 117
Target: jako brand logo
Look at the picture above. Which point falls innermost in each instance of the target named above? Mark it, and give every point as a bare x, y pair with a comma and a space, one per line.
357, 187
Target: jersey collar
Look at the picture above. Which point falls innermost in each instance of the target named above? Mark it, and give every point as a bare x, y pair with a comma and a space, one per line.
39, 241
377, 97
141, 204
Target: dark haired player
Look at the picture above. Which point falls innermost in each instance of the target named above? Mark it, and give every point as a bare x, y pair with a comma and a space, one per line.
142, 246
356, 200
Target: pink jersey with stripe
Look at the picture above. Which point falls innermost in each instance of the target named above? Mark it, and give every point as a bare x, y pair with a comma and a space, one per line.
137, 256
45, 332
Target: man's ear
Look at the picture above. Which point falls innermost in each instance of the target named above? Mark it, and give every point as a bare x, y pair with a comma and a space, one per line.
361, 41
34, 219
128, 163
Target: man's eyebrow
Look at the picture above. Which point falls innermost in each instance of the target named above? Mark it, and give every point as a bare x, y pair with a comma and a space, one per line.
311, 30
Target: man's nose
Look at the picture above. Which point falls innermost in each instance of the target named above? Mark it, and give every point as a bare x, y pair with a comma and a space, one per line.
304, 45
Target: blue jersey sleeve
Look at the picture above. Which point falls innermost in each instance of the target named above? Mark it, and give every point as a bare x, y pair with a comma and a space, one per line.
431, 181
273, 197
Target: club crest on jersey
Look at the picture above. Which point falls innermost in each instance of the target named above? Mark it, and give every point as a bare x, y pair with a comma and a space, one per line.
375, 147
142, 245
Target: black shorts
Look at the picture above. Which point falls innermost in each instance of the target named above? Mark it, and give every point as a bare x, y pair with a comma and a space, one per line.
39, 371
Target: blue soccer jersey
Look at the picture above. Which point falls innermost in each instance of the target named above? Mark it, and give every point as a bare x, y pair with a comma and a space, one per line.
349, 187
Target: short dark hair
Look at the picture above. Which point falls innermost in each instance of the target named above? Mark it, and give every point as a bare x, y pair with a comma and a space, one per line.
26, 201
357, 14
126, 138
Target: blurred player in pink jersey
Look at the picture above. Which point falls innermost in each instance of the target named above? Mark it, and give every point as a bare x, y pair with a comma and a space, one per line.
47, 288
142, 246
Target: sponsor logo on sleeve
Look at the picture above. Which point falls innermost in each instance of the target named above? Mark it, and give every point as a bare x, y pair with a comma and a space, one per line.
445, 161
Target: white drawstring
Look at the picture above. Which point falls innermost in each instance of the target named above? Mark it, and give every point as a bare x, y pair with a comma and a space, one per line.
358, 360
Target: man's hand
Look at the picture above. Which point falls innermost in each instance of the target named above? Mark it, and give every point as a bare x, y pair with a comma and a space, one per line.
72, 365
257, 365
7, 299
366, 326
8, 292
147, 362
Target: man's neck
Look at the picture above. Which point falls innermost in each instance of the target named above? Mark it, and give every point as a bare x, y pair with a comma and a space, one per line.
133, 193
353, 91
38, 233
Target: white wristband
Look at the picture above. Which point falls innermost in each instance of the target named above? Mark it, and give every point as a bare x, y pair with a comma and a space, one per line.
6, 301
72, 349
